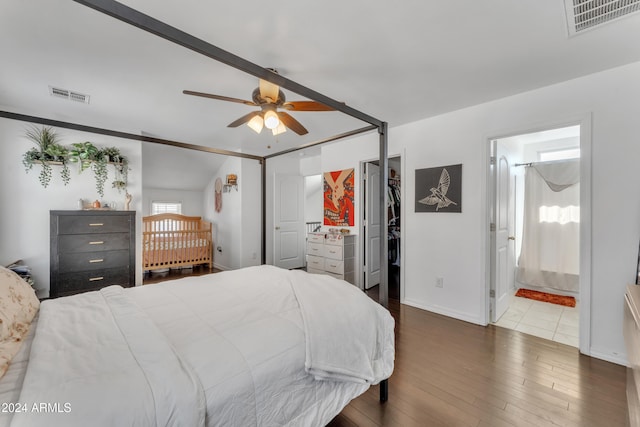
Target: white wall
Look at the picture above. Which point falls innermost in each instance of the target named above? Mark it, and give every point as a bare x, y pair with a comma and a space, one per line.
453, 246
313, 201
25, 204
251, 252
192, 201
237, 227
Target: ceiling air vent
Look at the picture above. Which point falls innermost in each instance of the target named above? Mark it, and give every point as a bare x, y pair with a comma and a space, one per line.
67, 94
586, 14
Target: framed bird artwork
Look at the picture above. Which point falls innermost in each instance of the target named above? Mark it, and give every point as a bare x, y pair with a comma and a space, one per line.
439, 189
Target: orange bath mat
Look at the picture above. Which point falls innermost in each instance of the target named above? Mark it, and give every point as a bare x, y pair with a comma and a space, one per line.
547, 297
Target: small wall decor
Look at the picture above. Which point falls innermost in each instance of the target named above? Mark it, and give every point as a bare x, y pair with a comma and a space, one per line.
232, 182
218, 194
339, 198
439, 189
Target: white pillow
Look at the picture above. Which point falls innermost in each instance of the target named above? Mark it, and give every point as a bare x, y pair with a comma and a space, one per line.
18, 307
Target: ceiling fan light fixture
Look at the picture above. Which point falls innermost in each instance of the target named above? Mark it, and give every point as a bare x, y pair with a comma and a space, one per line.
281, 128
271, 120
256, 123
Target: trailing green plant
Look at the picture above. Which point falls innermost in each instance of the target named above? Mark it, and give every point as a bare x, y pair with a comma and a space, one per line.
119, 185
58, 153
100, 171
84, 153
113, 154
47, 150
87, 155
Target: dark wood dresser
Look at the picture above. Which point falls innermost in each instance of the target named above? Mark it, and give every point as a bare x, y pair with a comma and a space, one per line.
91, 250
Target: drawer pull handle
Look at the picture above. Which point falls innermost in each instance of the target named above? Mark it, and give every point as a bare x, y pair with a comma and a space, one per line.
98, 242
96, 260
95, 279
96, 224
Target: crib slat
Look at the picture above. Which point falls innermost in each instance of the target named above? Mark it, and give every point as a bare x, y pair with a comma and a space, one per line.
171, 240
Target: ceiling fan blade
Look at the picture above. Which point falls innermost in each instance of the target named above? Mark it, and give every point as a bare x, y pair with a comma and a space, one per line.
292, 123
219, 97
269, 90
244, 119
306, 106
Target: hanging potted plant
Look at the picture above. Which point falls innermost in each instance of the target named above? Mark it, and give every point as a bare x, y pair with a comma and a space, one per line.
100, 171
46, 152
121, 166
83, 153
113, 155
119, 185
88, 155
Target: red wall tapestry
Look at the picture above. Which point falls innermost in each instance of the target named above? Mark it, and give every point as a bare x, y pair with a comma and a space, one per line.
338, 198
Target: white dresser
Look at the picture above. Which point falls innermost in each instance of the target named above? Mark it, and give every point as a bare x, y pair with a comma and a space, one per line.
332, 254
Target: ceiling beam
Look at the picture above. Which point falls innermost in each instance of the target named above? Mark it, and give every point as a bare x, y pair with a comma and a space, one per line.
322, 141
118, 134
147, 23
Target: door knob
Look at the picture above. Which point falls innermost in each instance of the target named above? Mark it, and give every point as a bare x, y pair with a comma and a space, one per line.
277, 228
511, 238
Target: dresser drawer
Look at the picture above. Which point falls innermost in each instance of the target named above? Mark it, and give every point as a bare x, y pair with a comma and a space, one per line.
316, 249
86, 261
73, 243
314, 271
315, 262
336, 240
83, 224
333, 252
334, 266
315, 238
72, 283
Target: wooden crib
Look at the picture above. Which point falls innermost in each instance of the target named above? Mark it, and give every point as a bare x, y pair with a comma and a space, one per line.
172, 240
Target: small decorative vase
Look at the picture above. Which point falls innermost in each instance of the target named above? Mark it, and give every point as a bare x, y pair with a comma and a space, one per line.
96, 204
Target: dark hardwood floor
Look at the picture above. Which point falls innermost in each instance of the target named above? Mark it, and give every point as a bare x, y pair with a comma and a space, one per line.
453, 373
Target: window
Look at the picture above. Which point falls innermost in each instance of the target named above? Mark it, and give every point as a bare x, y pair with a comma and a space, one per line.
166, 207
563, 154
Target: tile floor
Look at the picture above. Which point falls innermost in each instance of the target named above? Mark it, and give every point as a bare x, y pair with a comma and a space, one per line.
550, 321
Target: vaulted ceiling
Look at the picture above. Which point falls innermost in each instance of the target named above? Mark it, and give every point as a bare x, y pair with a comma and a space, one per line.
397, 62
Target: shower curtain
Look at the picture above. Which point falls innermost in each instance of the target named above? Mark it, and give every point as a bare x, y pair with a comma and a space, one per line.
550, 252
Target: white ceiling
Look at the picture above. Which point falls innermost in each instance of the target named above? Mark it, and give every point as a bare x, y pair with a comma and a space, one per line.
399, 64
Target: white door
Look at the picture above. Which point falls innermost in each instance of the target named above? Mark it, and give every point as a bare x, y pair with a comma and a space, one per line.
503, 277
372, 226
288, 221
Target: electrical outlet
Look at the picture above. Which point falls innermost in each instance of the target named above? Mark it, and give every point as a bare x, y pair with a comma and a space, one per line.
439, 282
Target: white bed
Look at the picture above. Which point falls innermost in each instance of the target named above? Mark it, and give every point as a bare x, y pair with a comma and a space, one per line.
259, 346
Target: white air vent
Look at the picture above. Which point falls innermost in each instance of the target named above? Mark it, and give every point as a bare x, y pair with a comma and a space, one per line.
67, 94
585, 14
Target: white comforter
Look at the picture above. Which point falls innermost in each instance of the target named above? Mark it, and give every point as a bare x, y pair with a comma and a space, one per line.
225, 349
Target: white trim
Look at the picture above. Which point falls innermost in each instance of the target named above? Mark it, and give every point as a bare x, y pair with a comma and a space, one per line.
585, 122
361, 242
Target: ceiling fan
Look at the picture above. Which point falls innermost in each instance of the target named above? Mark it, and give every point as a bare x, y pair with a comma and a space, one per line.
270, 99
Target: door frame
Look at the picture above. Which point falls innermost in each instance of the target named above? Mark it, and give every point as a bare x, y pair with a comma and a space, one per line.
495, 220
361, 201
584, 121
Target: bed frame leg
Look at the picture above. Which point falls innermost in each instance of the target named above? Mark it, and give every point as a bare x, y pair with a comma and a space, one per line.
384, 390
